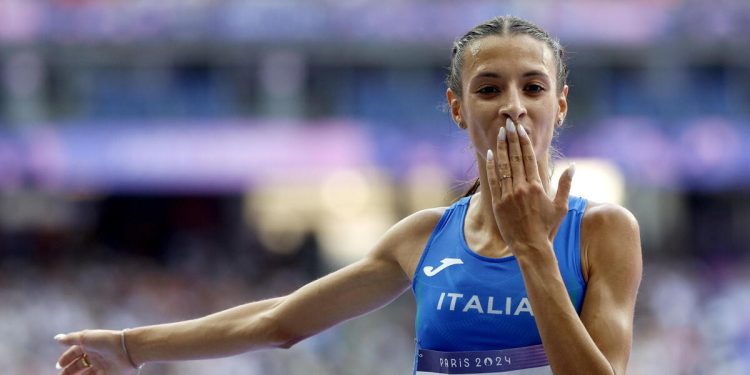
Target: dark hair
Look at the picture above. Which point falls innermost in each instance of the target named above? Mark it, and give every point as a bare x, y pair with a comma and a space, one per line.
507, 25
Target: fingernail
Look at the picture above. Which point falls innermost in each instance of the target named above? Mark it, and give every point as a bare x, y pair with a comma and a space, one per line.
57, 366
490, 156
572, 169
510, 126
59, 337
501, 135
522, 132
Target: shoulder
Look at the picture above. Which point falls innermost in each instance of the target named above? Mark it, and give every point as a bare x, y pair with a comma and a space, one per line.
609, 235
607, 219
404, 241
420, 222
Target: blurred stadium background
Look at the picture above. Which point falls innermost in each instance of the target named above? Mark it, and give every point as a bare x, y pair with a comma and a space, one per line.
161, 160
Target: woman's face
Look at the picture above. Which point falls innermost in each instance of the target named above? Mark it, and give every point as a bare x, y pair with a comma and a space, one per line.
509, 77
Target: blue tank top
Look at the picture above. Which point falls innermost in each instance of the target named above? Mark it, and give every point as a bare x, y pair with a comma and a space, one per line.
467, 302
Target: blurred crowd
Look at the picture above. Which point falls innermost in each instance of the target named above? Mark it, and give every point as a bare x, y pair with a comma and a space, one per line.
692, 318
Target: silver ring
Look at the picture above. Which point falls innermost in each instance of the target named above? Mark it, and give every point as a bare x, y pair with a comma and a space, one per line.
505, 176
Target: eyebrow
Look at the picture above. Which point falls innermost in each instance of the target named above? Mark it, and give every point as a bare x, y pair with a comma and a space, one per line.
531, 73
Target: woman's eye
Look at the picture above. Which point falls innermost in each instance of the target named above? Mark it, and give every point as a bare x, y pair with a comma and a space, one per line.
534, 88
488, 90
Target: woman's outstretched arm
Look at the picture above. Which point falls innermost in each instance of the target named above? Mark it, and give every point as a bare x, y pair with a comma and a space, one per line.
361, 287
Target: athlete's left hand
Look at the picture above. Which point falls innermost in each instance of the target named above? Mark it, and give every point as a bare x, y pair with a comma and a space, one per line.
525, 215
93, 352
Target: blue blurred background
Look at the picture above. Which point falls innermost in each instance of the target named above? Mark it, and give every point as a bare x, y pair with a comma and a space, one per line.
161, 160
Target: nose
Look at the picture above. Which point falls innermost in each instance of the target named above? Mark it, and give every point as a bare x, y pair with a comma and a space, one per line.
512, 105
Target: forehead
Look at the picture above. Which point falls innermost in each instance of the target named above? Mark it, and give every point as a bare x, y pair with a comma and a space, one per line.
508, 53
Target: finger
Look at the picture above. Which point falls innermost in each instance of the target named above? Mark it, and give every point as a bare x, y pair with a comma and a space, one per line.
529, 158
74, 368
492, 177
70, 355
514, 154
563, 186
70, 338
505, 176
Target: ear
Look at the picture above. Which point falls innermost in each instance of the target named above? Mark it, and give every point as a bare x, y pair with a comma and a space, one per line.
562, 103
455, 106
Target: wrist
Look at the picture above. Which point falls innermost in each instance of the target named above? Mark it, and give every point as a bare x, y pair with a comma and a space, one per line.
536, 251
127, 350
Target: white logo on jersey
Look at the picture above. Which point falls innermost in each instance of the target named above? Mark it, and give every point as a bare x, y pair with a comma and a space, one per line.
459, 302
445, 263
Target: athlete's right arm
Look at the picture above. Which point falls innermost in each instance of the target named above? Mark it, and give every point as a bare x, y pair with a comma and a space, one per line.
363, 286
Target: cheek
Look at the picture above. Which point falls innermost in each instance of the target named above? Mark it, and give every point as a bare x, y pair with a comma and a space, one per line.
482, 140
482, 127
541, 141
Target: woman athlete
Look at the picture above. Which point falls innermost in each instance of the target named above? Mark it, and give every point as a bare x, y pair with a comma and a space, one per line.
508, 280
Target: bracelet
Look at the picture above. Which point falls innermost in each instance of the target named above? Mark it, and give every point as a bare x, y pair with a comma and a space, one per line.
125, 350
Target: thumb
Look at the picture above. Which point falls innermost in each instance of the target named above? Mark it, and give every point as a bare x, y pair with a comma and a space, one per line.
69, 338
563, 186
